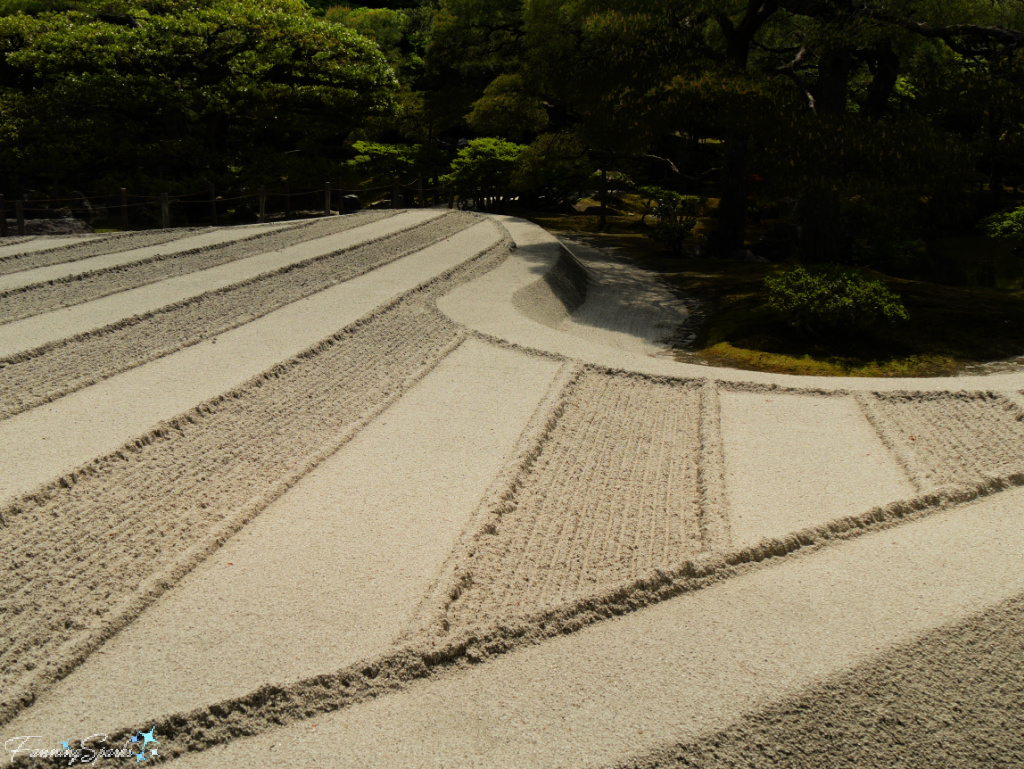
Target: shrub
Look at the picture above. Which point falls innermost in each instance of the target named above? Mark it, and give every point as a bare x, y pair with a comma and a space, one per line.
832, 300
675, 216
1007, 225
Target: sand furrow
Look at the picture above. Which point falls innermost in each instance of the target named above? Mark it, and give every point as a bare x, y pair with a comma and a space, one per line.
75, 249
90, 281
39, 376
85, 554
794, 460
610, 484
363, 533
714, 512
118, 265
944, 439
679, 672
13, 250
53, 327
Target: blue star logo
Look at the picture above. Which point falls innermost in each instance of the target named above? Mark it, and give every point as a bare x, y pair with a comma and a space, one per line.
146, 737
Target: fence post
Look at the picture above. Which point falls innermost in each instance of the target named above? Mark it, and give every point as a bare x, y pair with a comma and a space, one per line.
419, 184
19, 214
341, 198
327, 198
3, 217
263, 203
124, 208
451, 197
394, 192
213, 204
287, 200
165, 211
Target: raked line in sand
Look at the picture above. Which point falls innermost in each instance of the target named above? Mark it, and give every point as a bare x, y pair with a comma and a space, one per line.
53, 326
123, 257
676, 672
74, 249
36, 243
329, 573
53, 439
38, 376
135, 521
452, 737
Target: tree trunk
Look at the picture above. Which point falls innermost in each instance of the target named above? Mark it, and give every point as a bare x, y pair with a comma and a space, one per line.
732, 209
604, 198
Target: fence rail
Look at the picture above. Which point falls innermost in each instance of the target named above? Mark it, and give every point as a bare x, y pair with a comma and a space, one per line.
209, 207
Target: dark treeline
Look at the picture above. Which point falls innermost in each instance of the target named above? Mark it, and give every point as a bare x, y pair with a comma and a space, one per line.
877, 122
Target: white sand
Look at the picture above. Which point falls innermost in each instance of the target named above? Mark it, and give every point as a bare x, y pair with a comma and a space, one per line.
329, 573
38, 330
795, 461
206, 239
60, 436
406, 486
625, 307
488, 306
682, 669
40, 244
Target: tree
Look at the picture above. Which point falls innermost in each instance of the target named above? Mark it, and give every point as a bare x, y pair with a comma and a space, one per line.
483, 172
197, 90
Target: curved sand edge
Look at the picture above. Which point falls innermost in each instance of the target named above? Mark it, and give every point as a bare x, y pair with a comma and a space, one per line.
493, 306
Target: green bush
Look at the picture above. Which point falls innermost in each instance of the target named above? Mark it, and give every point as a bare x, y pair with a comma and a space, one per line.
832, 300
1007, 225
675, 216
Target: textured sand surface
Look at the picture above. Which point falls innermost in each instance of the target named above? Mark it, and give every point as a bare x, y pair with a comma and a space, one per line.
65, 271
416, 500
328, 573
143, 516
685, 669
53, 326
75, 248
795, 461
31, 244
613, 494
38, 376
57, 438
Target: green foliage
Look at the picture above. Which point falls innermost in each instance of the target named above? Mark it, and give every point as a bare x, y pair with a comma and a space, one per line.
675, 216
553, 169
483, 171
1007, 225
832, 300
183, 89
508, 109
383, 160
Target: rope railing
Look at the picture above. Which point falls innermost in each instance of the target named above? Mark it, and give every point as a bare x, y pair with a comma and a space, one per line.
128, 208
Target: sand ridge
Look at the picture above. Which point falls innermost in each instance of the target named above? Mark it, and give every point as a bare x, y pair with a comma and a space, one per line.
86, 281
41, 375
269, 432
625, 490
40, 330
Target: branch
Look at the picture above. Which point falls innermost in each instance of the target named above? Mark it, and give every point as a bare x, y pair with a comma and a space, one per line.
792, 71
